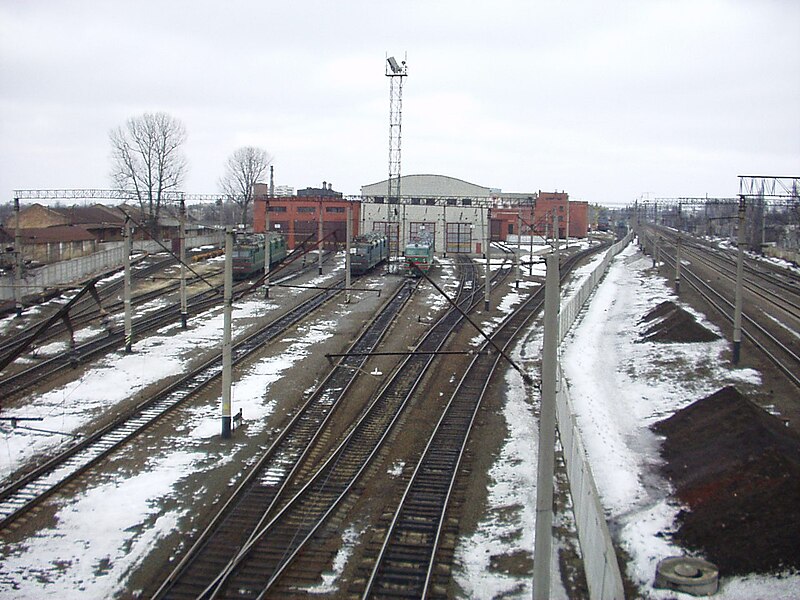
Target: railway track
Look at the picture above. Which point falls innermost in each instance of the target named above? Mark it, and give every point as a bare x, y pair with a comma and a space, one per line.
406, 564
17, 383
86, 310
19, 497
272, 546
259, 491
758, 327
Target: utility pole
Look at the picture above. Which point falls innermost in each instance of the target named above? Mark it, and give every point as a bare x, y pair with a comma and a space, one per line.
678, 254
547, 435
348, 236
182, 236
519, 246
737, 310
267, 242
226, 335
19, 261
319, 236
126, 263
488, 254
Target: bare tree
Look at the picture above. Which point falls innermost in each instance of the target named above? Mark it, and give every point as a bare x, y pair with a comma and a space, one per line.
243, 169
148, 160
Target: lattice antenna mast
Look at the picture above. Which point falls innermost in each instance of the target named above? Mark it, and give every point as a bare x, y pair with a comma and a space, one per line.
396, 74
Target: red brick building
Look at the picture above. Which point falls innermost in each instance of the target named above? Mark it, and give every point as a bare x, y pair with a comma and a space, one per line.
537, 215
297, 217
550, 204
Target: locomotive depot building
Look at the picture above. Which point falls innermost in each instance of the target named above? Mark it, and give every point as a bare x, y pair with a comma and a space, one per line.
451, 212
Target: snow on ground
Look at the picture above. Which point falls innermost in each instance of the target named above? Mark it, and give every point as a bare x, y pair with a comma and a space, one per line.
510, 521
111, 380
619, 387
104, 533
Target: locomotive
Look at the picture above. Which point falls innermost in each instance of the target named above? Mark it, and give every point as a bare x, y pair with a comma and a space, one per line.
367, 251
249, 252
419, 253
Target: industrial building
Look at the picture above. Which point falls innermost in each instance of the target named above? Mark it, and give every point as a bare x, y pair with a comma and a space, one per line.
457, 215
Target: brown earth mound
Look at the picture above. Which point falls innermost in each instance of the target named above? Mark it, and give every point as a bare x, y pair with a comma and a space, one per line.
674, 324
738, 469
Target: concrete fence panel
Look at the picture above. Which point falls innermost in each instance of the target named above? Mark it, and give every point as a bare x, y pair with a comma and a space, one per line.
599, 558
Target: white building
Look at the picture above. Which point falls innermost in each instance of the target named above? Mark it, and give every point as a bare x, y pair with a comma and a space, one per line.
451, 211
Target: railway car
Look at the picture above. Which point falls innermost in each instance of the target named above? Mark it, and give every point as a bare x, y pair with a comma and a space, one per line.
420, 254
368, 251
249, 251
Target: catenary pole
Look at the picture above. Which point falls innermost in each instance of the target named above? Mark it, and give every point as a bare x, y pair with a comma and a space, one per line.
519, 247
547, 434
319, 237
487, 288
226, 335
267, 244
18, 261
126, 263
737, 309
348, 236
182, 240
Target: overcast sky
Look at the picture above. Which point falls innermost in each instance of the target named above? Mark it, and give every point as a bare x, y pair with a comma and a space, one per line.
606, 100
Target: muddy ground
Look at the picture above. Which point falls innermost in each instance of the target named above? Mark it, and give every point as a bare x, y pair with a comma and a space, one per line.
734, 466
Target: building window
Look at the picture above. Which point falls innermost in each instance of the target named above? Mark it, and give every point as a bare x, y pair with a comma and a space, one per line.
306, 209
378, 199
430, 201
334, 209
466, 202
451, 202
280, 209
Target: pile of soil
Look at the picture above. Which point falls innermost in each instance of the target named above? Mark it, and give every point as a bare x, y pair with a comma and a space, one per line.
674, 324
737, 468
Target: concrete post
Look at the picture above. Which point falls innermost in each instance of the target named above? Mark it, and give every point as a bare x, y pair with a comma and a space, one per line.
547, 435
268, 242
226, 335
319, 237
519, 245
737, 310
348, 236
488, 253
126, 262
182, 255
19, 261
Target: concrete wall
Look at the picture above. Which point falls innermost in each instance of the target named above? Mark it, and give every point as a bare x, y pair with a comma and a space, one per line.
73, 271
599, 558
793, 256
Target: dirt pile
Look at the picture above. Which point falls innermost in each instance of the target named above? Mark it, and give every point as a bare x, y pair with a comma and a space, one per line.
671, 323
738, 469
